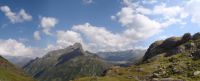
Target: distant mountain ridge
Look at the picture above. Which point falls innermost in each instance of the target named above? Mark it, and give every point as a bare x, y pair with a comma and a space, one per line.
66, 64
123, 57
19, 61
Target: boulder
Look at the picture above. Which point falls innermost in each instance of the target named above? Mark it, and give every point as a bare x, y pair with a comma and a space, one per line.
196, 36
186, 37
153, 50
176, 50
196, 73
170, 43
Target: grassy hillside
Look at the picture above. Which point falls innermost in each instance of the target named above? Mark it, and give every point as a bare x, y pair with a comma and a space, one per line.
173, 59
9, 72
176, 67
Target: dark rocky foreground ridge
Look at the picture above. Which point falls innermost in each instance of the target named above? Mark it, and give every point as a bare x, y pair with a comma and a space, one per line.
66, 64
173, 59
8, 72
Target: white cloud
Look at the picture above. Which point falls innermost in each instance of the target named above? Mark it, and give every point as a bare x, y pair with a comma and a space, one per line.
36, 35
169, 12
12, 47
138, 26
88, 1
142, 27
125, 16
66, 38
47, 23
101, 39
144, 10
193, 8
16, 17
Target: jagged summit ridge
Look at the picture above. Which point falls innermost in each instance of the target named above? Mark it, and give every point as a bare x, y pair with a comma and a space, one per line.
59, 52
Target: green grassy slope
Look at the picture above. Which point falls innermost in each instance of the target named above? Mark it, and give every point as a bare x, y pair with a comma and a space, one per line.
9, 72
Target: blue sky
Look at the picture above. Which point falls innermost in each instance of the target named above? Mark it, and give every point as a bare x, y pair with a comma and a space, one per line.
68, 12
38, 26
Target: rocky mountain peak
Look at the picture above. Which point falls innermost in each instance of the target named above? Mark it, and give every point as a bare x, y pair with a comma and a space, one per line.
66, 64
75, 46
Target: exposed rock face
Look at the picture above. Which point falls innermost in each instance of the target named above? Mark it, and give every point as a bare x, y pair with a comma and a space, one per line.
172, 45
186, 37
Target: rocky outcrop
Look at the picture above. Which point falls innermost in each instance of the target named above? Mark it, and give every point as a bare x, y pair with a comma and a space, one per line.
173, 45
196, 36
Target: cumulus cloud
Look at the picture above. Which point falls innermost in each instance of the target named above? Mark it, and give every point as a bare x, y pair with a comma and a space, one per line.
21, 16
142, 27
138, 26
47, 23
12, 47
136, 20
100, 38
36, 35
95, 39
193, 8
66, 38
169, 12
139, 23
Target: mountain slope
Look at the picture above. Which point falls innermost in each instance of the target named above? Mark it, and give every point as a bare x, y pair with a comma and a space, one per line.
66, 64
9, 72
173, 59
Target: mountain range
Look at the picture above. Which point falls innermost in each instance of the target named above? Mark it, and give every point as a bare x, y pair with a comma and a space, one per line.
173, 59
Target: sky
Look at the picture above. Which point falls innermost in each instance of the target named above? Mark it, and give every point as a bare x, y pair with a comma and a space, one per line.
34, 27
